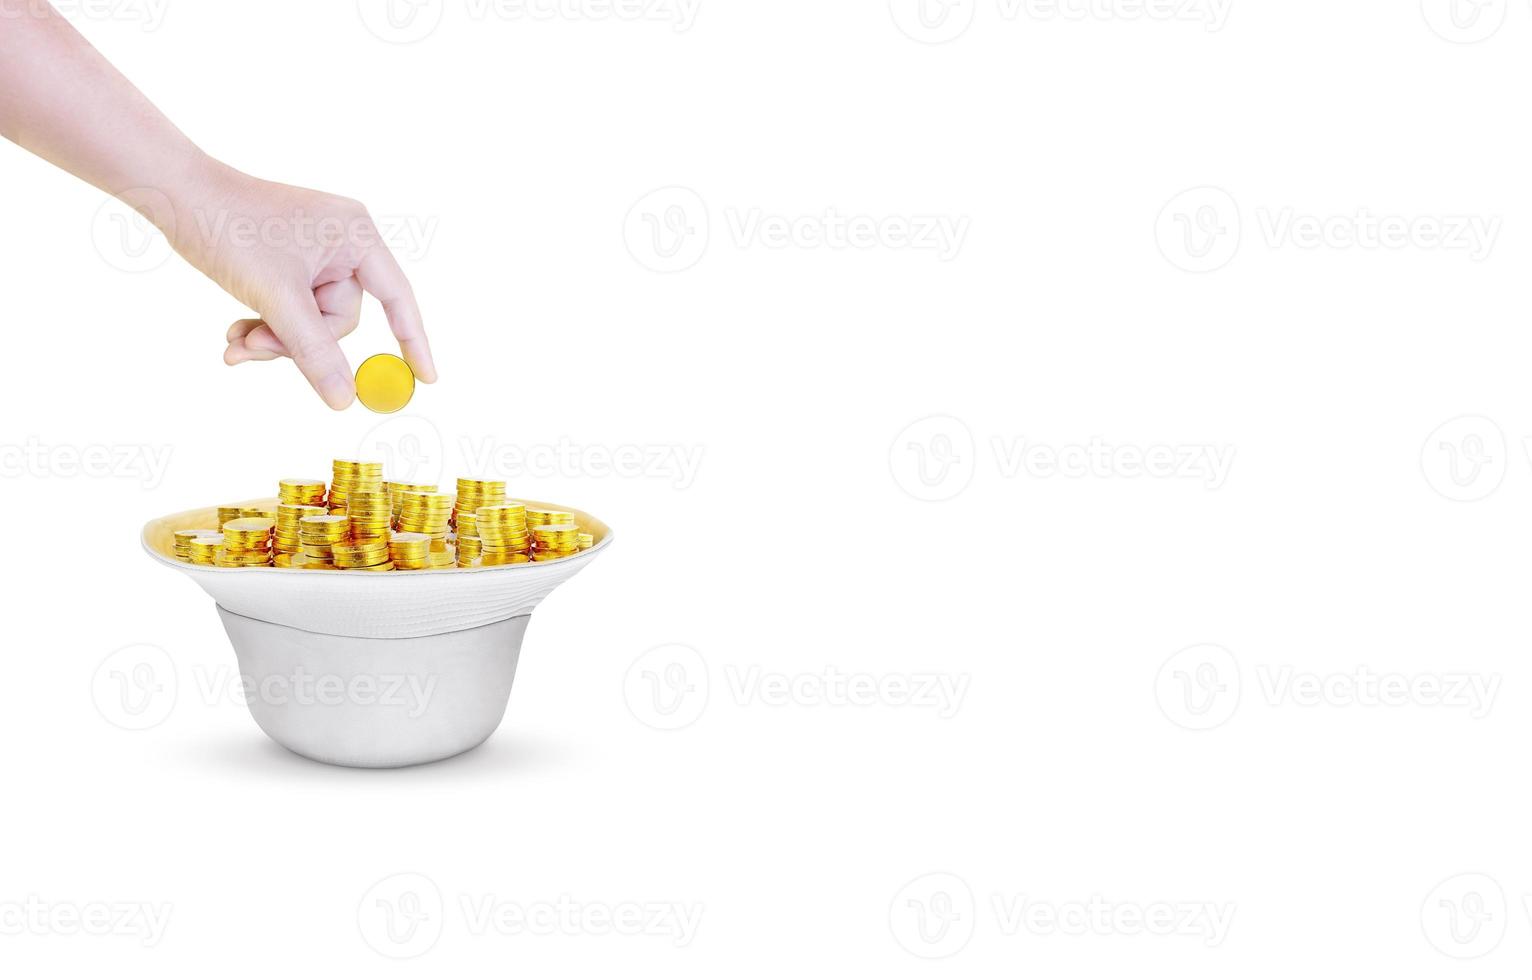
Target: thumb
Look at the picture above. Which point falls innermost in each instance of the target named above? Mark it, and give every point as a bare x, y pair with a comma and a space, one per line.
297, 322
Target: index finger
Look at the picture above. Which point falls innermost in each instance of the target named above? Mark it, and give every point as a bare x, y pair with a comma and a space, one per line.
381, 276
297, 322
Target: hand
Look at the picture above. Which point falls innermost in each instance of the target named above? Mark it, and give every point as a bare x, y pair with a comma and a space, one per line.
300, 259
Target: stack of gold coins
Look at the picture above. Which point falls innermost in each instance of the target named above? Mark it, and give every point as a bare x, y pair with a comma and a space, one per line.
503, 529
371, 554
467, 524
396, 492
371, 514
263, 512
320, 535
469, 546
473, 494
183, 541
555, 541
442, 555
227, 514
204, 550
425, 513
586, 540
288, 538
351, 476
310, 493
409, 549
538, 516
246, 542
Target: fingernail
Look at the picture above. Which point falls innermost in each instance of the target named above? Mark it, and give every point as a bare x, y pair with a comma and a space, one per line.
337, 390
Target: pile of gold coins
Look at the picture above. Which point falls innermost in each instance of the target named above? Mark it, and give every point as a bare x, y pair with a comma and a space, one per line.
360, 522
246, 541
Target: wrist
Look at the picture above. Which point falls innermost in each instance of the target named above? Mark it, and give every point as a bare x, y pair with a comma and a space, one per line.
188, 191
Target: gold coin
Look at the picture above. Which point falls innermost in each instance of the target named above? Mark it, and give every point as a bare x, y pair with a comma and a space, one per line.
384, 383
183, 540
234, 558
250, 524
518, 558
557, 537
496, 532
325, 525
300, 492
186, 537
427, 501
203, 551
367, 545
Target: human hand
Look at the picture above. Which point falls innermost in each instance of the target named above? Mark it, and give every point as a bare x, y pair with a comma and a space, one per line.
301, 259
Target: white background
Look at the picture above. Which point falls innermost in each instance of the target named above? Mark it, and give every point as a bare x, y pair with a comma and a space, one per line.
1088, 759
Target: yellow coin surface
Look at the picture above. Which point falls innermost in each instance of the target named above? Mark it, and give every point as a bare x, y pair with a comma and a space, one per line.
384, 383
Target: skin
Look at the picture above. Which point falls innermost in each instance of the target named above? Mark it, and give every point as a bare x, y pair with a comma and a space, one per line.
301, 259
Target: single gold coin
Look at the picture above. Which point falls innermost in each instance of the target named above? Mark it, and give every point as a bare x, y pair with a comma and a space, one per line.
384, 383
488, 559
251, 524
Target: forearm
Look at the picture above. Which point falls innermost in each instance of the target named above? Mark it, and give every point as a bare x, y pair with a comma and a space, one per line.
60, 99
